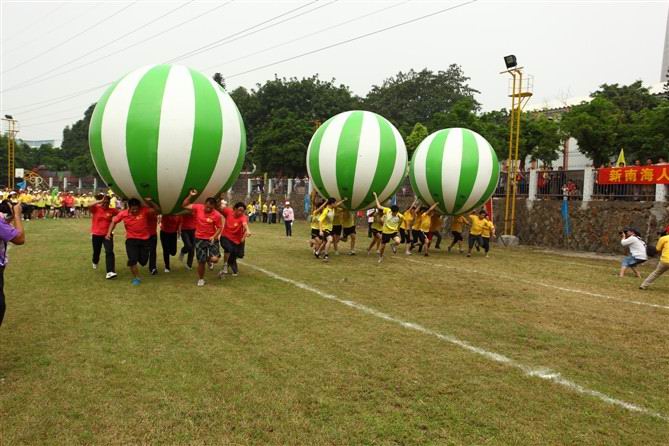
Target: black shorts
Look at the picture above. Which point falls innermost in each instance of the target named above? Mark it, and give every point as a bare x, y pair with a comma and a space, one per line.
314, 233
336, 230
137, 250
418, 237
325, 235
349, 231
457, 236
204, 249
231, 247
376, 232
385, 238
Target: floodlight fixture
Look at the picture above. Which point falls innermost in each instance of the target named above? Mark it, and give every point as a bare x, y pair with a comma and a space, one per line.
510, 61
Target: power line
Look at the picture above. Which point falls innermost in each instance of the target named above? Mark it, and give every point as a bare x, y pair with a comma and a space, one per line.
70, 38
59, 99
36, 22
120, 50
229, 38
305, 36
29, 82
46, 33
51, 122
343, 42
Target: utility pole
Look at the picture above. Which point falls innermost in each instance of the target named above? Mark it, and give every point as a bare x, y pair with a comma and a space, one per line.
520, 93
12, 130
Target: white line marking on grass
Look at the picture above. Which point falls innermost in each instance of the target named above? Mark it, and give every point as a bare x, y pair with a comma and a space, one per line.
543, 373
547, 285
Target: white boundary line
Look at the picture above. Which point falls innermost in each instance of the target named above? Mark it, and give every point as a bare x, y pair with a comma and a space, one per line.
539, 372
546, 285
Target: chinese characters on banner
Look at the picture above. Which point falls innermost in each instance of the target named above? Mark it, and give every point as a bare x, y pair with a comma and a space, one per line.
634, 175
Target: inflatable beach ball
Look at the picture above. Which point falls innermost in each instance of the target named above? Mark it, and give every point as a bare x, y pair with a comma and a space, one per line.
456, 168
164, 129
354, 154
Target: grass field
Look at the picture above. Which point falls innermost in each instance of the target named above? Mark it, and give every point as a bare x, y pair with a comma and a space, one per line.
523, 348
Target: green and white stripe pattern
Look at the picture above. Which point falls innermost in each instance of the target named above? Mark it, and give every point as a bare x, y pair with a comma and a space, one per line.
354, 154
164, 129
456, 168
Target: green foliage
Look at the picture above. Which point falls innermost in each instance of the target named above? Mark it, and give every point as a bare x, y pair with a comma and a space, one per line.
416, 96
281, 145
540, 138
74, 148
417, 135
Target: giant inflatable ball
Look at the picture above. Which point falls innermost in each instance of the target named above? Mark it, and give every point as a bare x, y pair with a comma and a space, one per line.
164, 129
456, 168
354, 154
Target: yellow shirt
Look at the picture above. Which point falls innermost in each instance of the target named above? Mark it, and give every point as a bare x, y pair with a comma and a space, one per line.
326, 218
458, 224
407, 221
339, 212
273, 209
314, 219
391, 223
487, 228
477, 225
378, 221
264, 208
423, 222
347, 219
663, 247
250, 209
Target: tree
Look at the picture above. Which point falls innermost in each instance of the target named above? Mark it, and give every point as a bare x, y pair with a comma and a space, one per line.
595, 125
219, 79
540, 138
494, 127
461, 114
281, 145
75, 145
417, 135
416, 96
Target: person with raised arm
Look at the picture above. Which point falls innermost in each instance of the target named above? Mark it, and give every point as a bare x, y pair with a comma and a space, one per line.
208, 226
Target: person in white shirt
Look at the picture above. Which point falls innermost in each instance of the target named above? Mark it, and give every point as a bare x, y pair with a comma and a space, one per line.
637, 251
288, 217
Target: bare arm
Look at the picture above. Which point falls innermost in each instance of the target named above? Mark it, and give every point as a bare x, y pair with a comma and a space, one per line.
432, 208
187, 201
111, 229
376, 198
152, 204
20, 238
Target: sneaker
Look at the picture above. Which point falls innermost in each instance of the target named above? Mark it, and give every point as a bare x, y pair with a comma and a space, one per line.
166, 270
221, 275
317, 254
641, 287
95, 266
469, 254
326, 258
462, 251
380, 259
351, 253
394, 248
235, 274
189, 268
136, 281
225, 269
200, 282
154, 272
408, 253
111, 275
487, 256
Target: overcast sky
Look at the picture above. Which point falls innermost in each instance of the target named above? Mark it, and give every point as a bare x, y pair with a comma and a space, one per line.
570, 47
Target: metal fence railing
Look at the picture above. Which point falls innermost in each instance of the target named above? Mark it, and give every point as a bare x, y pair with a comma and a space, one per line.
522, 184
559, 184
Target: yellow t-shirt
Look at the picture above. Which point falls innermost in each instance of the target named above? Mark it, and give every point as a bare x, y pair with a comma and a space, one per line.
40, 201
378, 221
407, 221
424, 223
487, 228
339, 212
477, 225
391, 223
273, 209
314, 219
326, 218
347, 219
250, 209
458, 223
663, 247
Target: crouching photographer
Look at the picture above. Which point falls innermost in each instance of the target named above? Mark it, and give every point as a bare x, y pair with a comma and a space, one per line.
662, 248
630, 239
9, 213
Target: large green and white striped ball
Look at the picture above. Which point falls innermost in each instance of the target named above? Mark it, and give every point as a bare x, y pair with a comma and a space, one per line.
456, 168
354, 154
164, 129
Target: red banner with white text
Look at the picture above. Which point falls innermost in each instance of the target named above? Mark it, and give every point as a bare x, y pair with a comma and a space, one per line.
634, 175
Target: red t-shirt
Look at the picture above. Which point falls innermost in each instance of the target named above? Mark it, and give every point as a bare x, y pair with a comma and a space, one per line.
136, 226
101, 219
206, 224
152, 223
170, 223
233, 229
68, 201
187, 221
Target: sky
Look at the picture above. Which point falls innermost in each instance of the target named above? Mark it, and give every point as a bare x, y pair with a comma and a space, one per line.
56, 57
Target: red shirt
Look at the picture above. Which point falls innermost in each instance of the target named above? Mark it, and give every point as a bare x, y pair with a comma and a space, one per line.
68, 201
206, 224
187, 222
152, 223
101, 219
170, 223
136, 226
234, 226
